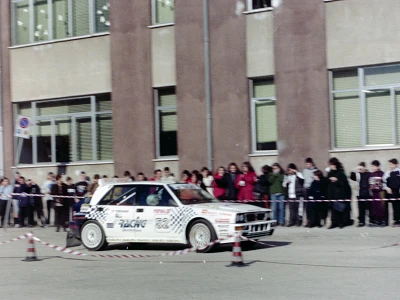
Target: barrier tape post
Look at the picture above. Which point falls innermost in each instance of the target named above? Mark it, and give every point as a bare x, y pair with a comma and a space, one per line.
31, 251
237, 257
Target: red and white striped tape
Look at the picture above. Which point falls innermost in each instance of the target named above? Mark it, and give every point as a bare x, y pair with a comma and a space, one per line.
42, 195
172, 253
21, 237
310, 200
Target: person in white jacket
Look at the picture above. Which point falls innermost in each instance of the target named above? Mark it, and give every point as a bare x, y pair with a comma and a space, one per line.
208, 180
294, 183
5, 196
47, 198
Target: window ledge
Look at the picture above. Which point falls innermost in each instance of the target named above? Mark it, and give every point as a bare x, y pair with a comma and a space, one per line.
106, 162
365, 149
254, 11
60, 40
161, 25
169, 158
331, 0
267, 153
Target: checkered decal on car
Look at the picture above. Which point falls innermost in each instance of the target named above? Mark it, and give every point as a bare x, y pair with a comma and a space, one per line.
95, 214
180, 218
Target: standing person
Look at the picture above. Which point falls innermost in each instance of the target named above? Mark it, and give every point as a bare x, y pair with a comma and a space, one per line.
168, 176
262, 186
294, 185
15, 200
25, 206
82, 185
61, 204
197, 179
376, 187
71, 191
361, 176
5, 195
277, 193
338, 189
392, 184
157, 176
46, 190
186, 176
208, 180
308, 174
128, 176
220, 183
140, 177
246, 181
37, 202
317, 191
95, 184
233, 172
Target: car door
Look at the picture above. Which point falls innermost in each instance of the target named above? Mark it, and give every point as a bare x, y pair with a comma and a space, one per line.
120, 213
154, 206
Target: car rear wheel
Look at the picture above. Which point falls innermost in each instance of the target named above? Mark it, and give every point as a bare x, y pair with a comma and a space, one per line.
93, 237
201, 233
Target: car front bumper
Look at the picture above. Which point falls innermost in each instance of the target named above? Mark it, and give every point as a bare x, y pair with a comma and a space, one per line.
252, 230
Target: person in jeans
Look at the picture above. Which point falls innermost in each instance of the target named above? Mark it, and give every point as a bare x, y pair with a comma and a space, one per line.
361, 176
293, 182
46, 188
5, 195
277, 192
25, 205
376, 187
392, 185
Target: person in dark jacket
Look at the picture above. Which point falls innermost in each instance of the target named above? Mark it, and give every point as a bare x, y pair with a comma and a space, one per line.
25, 205
233, 172
36, 201
376, 187
61, 204
338, 189
392, 186
197, 179
82, 185
317, 191
262, 186
294, 181
71, 191
361, 176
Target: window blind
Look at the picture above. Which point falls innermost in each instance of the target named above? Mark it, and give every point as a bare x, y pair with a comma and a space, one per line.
104, 137
347, 120
263, 89
169, 121
164, 11
60, 19
345, 80
63, 107
63, 132
80, 17
22, 25
379, 118
382, 75
84, 139
41, 20
266, 121
167, 98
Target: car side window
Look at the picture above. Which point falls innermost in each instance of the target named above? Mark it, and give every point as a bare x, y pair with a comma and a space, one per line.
153, 195
120, 195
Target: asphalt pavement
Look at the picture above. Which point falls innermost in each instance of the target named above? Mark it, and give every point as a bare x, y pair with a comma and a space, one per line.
294, 263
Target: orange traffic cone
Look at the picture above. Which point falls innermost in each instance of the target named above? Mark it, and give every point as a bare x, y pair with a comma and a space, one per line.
31, 252
237, 253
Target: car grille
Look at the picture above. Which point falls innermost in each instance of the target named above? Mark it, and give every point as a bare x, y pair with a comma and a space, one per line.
253, 217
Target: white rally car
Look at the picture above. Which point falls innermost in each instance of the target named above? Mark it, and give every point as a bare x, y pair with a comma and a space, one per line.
153, 212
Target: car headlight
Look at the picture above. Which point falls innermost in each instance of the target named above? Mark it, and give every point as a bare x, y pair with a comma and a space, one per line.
240, 218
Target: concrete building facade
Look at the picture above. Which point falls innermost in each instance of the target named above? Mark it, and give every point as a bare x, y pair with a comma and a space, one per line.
115, 85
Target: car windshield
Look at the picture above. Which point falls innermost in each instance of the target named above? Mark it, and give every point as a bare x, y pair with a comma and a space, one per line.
188, 195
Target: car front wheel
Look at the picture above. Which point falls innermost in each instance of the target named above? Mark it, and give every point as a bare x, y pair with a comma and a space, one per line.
200, 235
93, 237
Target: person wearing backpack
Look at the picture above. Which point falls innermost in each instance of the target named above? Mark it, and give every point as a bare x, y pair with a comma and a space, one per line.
392, 186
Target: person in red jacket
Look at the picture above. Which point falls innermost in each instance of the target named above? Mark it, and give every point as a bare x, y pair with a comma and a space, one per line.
220, 183
245, 182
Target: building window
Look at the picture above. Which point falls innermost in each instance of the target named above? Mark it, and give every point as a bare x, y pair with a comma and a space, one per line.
365, 103
163, 11
166, 122
263, 115
70, 130
258, 4
45, 20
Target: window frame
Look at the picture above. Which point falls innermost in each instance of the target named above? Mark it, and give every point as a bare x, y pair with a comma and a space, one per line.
158, 109
253, 102
92, 114
154, 15
362, 91
249, 7
92, 22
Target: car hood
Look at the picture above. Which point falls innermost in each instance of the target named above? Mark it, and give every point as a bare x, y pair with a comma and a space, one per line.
231, 207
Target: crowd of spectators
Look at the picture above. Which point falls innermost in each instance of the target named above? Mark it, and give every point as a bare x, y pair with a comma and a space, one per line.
282, 190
